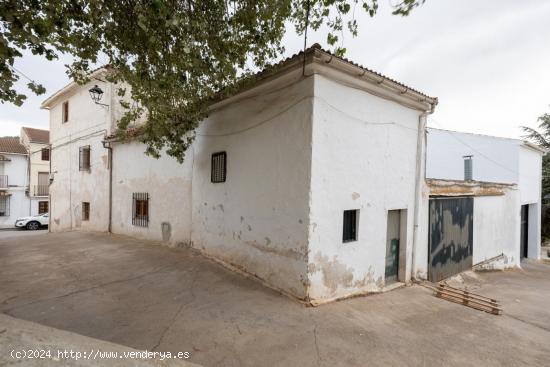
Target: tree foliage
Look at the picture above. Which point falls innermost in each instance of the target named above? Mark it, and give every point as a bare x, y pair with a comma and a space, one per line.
174, 55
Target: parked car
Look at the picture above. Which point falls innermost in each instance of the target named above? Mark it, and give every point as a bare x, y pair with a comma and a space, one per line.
34, 222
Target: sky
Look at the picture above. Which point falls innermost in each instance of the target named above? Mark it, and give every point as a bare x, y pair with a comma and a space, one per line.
488, 62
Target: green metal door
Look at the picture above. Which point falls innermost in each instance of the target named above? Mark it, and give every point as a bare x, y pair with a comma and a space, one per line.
451, 236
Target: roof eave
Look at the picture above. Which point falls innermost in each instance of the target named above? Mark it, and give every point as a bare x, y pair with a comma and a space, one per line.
51, 100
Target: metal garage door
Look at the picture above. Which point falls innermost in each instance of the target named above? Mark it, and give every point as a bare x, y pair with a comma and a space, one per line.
451, 237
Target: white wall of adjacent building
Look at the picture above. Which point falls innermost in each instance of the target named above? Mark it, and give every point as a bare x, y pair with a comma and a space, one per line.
503, 160
168, 184
496, 230
19, 205
494, 159
530, 181
87, 125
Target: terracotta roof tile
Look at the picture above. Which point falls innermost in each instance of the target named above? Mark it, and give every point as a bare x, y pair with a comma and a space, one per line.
11, 144
37, 135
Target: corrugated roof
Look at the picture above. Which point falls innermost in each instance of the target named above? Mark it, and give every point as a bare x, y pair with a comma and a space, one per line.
11, 144
37, 135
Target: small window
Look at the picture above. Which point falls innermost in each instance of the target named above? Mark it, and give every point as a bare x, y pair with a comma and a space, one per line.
140, 209
4, 206
84, 158
45, 154
219, 167
350, 225
42, 207
65, 112
85, 211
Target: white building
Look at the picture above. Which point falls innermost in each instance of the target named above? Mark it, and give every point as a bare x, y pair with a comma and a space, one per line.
311, 180
505, 184
36, 142
14, 202
287, 180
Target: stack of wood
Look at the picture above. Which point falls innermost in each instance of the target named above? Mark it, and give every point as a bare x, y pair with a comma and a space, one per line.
469, 299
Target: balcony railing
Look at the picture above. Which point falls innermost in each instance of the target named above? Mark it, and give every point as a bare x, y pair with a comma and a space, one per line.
3, 181
41, 190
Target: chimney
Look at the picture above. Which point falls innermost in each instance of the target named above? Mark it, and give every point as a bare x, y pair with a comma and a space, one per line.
468, 167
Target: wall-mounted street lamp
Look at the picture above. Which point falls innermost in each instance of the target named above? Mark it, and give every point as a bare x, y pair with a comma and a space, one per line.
97, 93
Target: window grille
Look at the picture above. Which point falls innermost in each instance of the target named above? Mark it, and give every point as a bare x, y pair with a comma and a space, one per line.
42, 207
85, 210
84, 158
219, 167
140, 209
45, 154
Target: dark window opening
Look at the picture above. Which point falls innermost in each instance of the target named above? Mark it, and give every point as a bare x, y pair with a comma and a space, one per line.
219, 167
85, 211
350, 225
4, 206
140, 209
45, 154
84, 158
42, 207
65, 112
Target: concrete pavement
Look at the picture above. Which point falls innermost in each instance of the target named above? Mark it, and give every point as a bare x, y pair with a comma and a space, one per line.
29, 344
147, 296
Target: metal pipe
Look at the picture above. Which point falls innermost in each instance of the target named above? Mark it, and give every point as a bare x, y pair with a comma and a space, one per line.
50, 192
107, 145
418, 187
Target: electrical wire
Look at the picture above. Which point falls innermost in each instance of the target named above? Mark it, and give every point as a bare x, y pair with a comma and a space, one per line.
291, 106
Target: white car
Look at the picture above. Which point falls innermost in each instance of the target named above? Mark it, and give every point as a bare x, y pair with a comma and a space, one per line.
34, 222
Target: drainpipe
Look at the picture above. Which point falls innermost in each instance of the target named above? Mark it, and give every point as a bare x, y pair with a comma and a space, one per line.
418, 187
50, 192
107, 145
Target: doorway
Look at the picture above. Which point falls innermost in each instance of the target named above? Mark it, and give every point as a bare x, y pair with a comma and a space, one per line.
524, 231
450, 236
393, 239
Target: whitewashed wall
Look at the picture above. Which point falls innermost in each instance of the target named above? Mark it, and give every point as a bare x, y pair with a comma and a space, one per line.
257, 220
530, 181
88, 124
496, 229
16, 170
495, 159
364, 157
71, 187
168, 184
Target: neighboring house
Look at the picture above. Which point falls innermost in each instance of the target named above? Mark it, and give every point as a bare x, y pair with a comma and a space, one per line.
492, 184
36, 142
309, 181
14, 202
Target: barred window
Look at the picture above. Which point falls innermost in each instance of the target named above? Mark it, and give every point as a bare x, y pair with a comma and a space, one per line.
85, 210
84, 158
45, 154
140, 209
219, 167
4, 206
42, 207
